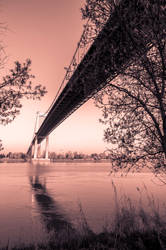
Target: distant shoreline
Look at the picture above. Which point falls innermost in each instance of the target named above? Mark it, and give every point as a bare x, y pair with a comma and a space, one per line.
79, 160
11, 160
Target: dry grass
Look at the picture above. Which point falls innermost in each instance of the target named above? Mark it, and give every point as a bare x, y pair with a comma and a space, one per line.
132, 228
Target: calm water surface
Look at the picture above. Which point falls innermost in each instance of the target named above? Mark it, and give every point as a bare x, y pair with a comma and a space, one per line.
36, 199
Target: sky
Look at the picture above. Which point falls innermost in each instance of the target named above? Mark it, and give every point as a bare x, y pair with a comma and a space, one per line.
47, 32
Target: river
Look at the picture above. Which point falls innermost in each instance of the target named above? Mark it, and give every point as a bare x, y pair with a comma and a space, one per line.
36, 198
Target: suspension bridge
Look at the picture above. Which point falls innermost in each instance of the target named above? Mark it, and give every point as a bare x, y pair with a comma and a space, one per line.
98, 59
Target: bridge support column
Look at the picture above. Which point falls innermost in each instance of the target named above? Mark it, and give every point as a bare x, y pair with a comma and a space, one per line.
38, 150
31, 152
46, 149
35, 149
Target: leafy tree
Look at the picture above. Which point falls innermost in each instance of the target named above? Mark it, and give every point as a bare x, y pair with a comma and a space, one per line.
95, 156
1, 146
2, 156
14, 88
134, 103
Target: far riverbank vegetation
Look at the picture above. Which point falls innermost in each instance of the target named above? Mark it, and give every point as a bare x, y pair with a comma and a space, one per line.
53, 156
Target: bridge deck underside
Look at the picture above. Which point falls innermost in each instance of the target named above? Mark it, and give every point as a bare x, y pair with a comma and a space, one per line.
110, 53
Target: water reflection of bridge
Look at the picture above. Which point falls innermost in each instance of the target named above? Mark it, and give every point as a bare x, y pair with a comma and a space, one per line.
111, 52
54, 219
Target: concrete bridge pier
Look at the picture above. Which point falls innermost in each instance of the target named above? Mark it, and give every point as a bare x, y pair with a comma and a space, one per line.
37, 150
47, 147
36, 156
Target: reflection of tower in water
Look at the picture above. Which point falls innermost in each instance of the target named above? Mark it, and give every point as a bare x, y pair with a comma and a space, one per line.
54, 220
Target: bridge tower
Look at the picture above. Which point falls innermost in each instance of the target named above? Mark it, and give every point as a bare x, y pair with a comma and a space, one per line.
36, 152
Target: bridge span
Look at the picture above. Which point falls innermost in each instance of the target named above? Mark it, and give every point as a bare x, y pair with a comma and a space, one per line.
111, 52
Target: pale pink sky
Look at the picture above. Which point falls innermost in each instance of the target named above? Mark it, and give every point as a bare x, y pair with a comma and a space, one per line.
47, 32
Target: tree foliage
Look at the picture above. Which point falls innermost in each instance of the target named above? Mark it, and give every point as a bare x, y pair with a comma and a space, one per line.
134, 103
14, 88
98, 11
1, 146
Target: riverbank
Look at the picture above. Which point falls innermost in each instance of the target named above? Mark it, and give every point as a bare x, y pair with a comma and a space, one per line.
11, 160
79, 160
105, 241
132, 228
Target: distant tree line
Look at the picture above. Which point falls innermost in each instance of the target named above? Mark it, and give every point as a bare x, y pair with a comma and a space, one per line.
11, 155
60, 156
76, 155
